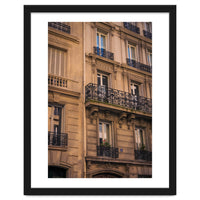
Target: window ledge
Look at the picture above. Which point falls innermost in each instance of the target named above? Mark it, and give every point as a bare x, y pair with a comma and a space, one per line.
57, 148
63, 35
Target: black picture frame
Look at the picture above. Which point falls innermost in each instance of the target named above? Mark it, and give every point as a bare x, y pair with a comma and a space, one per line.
28, 10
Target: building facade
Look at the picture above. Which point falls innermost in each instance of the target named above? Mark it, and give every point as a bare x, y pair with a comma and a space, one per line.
100, 100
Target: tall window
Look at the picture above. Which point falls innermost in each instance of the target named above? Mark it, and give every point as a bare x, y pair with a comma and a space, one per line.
134, 89
148, 26
101, 44
54, 124
56, 61
140, 139
149, 57
131, 52
102, 84
105, 133
101, 40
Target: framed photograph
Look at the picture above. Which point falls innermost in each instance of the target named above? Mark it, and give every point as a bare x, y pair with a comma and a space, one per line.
101, 81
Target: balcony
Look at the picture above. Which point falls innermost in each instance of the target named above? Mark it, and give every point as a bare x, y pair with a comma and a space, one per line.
102, 52
131, 27
147, 34
64, 85
57, 81
93, 92
56, 139
138, 65
60, 26
143, 155
107, 151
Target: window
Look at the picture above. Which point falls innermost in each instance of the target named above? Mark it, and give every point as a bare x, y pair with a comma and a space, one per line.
101, 40
101, 44
148, 26
140, 138
149, 57
55, 137
56, 61
131, 52
102, 84
105, 134
134, 89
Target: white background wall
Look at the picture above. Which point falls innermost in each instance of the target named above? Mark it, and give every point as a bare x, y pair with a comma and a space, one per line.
11, 98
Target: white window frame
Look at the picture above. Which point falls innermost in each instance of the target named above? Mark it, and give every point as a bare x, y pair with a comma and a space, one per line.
149, 23
101, 87
101, 34
104, 134
149, 57
138, 141
130, 51
101, 77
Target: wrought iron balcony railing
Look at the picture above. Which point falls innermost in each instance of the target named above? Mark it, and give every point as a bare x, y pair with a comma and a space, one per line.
117, 97
102, 52
143, 155
131, 27
107, 151
147, 34
60, 26
57, 139
138, 65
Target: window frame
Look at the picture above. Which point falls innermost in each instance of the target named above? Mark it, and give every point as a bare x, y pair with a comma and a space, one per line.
148, 29
106, 39
149, 57
140, 141
57, 120
130, 52
52, 68
110, 141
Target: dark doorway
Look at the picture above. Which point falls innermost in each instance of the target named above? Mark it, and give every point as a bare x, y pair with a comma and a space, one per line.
56, 172
106, 175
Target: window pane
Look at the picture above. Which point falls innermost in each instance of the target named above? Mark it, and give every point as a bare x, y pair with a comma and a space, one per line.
108, 133
104, 134
97, 39
56, 61
136, 138
105, 81
136, 90
49, 117
129, 52
141, 137
103, 42
133, 53
100, 130
98, 79
150, 59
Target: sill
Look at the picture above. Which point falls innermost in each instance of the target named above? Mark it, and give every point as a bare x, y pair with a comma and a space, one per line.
63, 35
57, 148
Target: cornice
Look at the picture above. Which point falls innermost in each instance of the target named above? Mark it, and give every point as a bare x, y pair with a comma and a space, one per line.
63, 35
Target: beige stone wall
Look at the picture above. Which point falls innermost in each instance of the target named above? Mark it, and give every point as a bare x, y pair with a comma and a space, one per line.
71, 98
81, 68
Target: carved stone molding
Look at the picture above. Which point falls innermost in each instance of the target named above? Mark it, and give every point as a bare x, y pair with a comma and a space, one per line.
106, 67
122, 118
93, 113
115, 71
130, 120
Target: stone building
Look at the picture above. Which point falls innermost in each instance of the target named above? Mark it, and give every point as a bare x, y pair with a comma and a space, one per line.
100, 99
